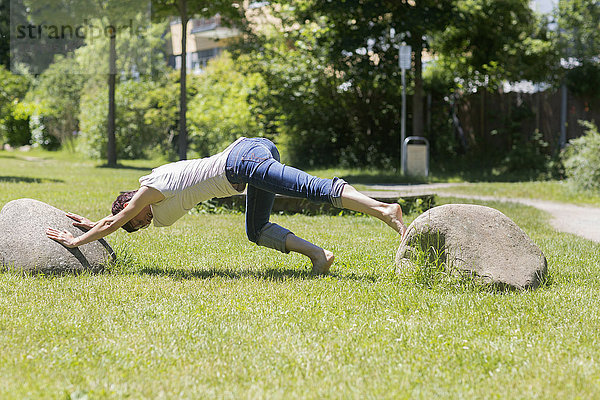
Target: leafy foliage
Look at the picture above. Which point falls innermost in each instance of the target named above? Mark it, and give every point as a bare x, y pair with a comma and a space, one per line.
578, 43
146, 117
584, 80
185, 9
490, 41
331, 69
14, 125
5, 33
56, 95
145, 97
220, 111
325, 115
582, 159
579, 29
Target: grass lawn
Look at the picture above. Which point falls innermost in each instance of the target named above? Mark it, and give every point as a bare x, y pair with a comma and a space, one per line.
197, 311
560, 191
481, 183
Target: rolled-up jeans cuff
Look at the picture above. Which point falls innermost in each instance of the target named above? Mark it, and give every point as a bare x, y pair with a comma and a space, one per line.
336, 192
273, 236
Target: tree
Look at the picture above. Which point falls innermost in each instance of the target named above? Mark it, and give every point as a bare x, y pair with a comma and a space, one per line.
29, 50
578, 41
332, 69
5, 33
144, 106
356, 28
91, 18
322, 116
489, 41
57, 96
185, 10
115, 13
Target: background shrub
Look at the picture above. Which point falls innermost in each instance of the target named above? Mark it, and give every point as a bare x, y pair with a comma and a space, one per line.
145, 121
55, 95
582, 159
14, 123
219, 111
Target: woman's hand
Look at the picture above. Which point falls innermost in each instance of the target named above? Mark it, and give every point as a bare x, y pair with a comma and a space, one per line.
63, 237
81, 222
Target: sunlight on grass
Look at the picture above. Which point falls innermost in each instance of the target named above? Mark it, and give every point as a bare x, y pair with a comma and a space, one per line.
197, 311
560, 191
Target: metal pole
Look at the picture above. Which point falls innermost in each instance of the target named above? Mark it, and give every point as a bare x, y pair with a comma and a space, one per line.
563, 117
403, 124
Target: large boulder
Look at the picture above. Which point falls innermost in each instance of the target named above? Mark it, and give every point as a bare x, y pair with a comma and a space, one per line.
25, 246
474, 239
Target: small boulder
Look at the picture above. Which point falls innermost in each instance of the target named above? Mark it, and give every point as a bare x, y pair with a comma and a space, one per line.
25, 246
478, 240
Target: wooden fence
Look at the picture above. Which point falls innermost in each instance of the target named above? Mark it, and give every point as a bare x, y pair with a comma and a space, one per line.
492, 121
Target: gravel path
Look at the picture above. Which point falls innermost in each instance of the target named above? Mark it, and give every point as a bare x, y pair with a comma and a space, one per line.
579, 220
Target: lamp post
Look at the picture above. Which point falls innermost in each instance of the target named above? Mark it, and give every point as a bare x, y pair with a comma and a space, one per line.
404, 60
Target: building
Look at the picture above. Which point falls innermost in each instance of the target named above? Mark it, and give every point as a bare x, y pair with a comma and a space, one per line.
206, 39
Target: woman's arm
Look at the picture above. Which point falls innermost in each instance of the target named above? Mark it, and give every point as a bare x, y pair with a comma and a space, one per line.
144, 196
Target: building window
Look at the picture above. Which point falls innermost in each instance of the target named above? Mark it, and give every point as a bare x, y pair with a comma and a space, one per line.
197, 60
200, 58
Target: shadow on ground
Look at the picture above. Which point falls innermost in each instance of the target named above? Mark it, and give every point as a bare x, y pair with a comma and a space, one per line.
270, 274
383, 178
27, 179
22, 158
121, 166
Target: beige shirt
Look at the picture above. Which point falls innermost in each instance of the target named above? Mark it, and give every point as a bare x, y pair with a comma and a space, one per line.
187, 183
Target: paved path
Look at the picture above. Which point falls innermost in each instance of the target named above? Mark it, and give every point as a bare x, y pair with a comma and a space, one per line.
580, 220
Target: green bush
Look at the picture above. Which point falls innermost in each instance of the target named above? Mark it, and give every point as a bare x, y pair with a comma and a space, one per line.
528, 157
40, 134
220, 112
56, 94
16, 129
146, 117
582, 159
14, 124
584, 80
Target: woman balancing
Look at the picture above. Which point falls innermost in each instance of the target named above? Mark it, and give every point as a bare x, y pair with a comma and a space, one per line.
171, 190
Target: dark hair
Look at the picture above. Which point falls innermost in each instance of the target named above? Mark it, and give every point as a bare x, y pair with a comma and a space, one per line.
119, 204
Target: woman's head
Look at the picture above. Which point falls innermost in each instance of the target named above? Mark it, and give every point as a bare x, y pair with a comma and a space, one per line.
119, 204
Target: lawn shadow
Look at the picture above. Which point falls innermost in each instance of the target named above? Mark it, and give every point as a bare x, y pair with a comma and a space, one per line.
27, 179
23, 158
277, 274
383, 178
270, 274
121, 166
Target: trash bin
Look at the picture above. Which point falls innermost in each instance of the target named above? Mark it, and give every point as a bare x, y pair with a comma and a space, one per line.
416, 156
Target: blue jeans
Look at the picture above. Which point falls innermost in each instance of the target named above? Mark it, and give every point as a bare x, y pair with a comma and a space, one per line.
255, 162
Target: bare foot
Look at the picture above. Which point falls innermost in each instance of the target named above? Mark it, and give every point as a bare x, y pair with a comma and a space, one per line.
392, 216
322, 261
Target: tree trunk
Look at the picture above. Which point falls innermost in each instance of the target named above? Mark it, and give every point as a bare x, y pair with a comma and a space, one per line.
183, 137
111, 149
417, 104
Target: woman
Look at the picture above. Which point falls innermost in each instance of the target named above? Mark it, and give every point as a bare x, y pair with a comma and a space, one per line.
171, 190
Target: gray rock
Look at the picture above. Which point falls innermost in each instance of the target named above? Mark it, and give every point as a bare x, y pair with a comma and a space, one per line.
475, 239
25, 246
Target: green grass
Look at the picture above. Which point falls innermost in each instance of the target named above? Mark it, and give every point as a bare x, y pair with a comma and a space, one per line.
477, 181
197, 311
561, 191
374, 175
